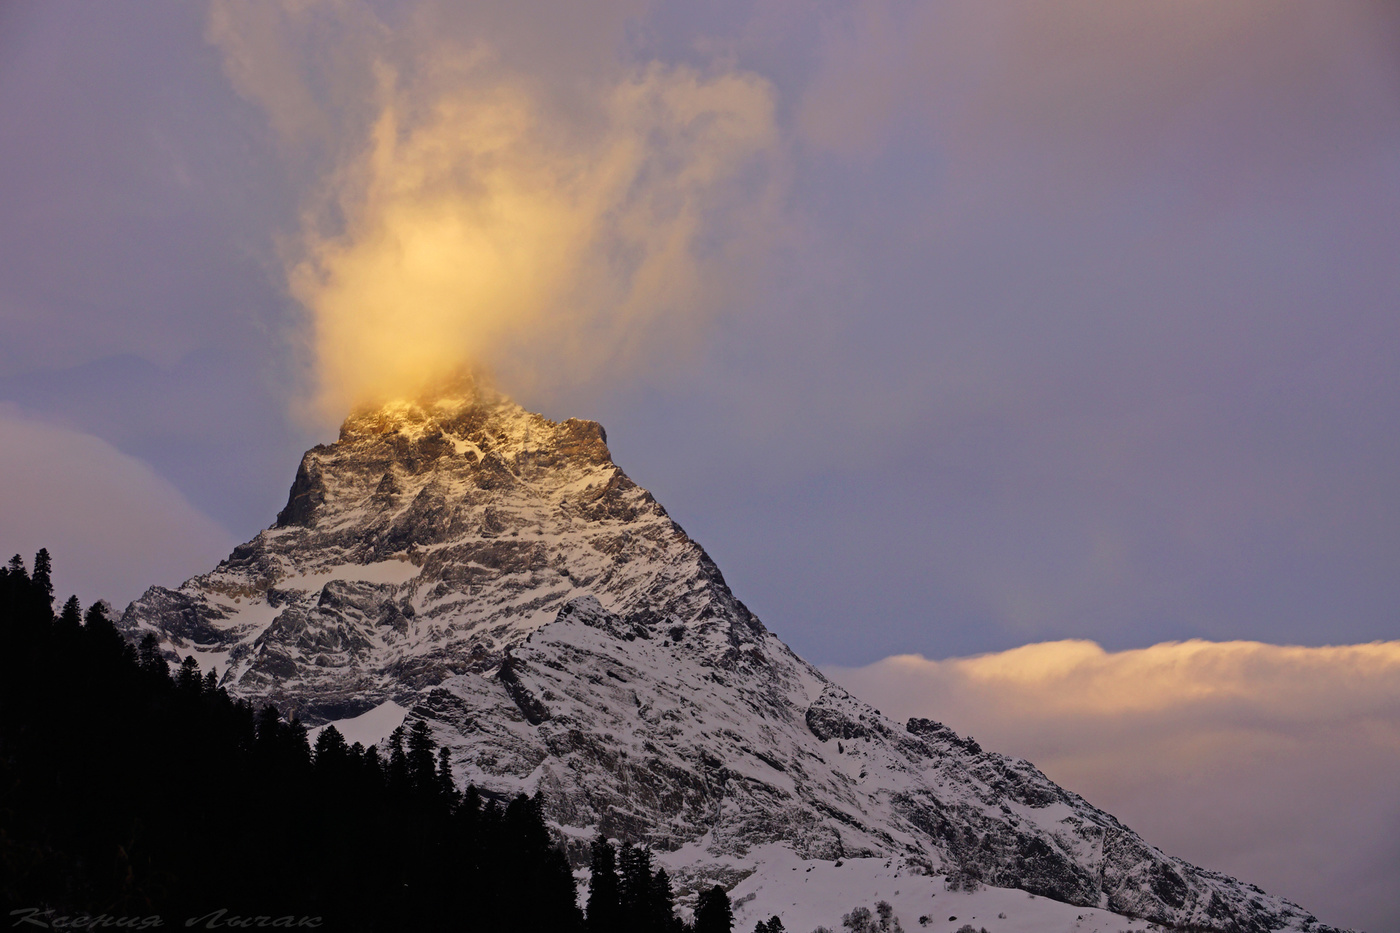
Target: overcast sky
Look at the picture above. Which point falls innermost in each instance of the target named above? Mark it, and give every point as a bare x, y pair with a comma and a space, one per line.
945, 328
1075, 320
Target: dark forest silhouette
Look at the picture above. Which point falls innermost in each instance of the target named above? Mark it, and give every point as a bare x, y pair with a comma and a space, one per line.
130, 791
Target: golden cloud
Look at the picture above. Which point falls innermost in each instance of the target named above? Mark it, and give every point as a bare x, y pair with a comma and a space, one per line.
474, 212
1079, 678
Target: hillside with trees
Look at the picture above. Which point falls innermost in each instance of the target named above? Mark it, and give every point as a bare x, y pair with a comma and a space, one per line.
130, 790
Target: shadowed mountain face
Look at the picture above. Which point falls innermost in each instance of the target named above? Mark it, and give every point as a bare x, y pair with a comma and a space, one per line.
498, 575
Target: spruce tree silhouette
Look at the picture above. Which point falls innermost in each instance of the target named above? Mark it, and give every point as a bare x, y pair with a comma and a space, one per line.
713, 913
331, 754
188, 680
152, 661
604, 910
446, 786
661, 912
42, 579
400, 778
70, 619
634, 863
421, 771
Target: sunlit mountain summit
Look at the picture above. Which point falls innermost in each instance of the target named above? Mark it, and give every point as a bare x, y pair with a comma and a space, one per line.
495, 573
432, 536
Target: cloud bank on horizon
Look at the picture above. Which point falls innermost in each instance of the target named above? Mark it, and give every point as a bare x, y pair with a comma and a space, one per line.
1275, 764
116, 526
551, 219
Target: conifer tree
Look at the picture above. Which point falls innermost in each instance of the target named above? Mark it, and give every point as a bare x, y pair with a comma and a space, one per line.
152, 661
468, 815
373, 766
714, 914
133, 836
422, 773
604, 910
97, 622
634, 863
447, 787
187, 678
42, 580
662, 912
331, 750
71, 618
543, 872
296, 742
398, 774
14, 580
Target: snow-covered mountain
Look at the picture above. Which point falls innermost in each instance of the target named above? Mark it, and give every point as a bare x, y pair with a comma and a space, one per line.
496, 574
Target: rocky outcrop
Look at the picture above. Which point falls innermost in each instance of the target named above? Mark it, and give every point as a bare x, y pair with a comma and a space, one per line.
422, 544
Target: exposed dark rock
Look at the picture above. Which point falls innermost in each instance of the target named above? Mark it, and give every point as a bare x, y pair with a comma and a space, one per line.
308, 491
529, 705
829, 723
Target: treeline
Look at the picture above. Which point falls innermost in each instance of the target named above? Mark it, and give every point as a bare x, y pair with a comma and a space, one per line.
626, 896
129, 792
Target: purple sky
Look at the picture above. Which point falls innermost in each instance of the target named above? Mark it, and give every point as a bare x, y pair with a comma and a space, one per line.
1076, 320
1085, 326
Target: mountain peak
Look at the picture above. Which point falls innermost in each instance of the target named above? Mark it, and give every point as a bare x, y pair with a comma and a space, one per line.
496, 575
464, 432
434, 402
428, 539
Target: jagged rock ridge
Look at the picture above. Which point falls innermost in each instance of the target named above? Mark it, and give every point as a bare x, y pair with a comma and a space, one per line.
497, 573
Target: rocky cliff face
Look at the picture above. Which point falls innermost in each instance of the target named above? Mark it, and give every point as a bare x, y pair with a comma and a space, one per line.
423, 544
498, 575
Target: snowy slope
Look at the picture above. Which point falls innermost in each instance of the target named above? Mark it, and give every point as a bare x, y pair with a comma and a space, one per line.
496, 574
807, 894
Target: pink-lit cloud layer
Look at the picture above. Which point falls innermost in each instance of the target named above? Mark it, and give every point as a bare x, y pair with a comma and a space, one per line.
1274, 764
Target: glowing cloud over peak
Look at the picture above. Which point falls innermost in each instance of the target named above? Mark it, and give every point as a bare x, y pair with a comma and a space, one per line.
474, 219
